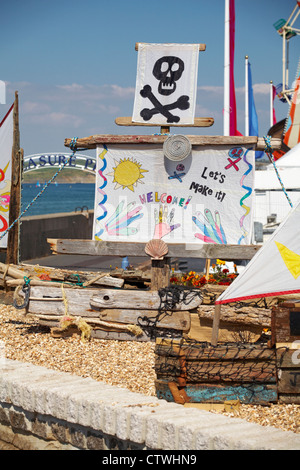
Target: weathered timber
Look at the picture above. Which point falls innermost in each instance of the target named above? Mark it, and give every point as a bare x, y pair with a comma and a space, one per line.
178, 320
207, 352
288, 363
242, 371
176, 250
13, 239
258, 394
202, 47
198, 122
216, 325
285, 321
98, 333
109, 298
160, 273
50, 301
93, 141
14, 275
13, 271
214, 374
240, 316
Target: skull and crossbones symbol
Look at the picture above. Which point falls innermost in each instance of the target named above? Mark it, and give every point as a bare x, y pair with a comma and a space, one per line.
167, 70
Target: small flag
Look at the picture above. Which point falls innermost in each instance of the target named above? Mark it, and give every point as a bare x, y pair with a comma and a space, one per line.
253, 120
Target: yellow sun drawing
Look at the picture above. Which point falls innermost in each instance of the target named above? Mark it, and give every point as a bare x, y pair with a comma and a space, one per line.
127, 173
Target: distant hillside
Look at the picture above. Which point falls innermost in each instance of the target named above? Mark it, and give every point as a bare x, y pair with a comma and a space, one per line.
65, 176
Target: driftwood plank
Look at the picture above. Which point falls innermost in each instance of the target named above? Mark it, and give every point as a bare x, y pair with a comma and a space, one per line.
234, 371
92, 141
167, 348
50, 301
178, 320
101, 333
176, 250
109, 298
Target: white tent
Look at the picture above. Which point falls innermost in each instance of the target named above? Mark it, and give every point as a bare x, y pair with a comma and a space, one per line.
275, 269
269, 195
288, 168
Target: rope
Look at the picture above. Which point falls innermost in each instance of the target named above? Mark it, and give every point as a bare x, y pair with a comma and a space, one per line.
73, 148
269, 152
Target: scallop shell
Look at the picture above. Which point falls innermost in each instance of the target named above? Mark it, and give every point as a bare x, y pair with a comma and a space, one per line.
156, 248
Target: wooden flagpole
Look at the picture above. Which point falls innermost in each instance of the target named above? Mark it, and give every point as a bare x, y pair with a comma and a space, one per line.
12, 252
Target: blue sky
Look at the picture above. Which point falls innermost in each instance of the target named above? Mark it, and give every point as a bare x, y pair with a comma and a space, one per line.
74, 62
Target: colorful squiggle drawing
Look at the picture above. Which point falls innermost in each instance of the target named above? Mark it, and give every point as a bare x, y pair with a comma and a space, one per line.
100, 190
249, 192
118, 223
212, 230
163, 222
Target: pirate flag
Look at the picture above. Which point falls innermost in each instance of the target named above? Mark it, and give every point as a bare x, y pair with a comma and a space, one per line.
166, 84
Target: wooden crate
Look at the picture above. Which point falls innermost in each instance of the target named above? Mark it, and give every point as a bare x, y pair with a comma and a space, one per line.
200, 373
288, 365
285, 323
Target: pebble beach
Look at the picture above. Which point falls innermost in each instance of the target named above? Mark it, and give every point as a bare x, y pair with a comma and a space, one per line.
125, 364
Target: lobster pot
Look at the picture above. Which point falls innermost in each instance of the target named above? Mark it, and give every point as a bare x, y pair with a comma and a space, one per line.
196, 372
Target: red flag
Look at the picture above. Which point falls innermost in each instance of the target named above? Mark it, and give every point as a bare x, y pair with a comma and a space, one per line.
232, 101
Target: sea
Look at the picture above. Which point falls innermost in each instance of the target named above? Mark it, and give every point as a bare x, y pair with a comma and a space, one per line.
57, 198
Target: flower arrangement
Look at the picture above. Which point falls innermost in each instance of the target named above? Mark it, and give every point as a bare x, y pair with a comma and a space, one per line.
220, 276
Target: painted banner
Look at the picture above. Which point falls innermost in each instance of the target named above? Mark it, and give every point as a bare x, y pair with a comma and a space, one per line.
205, 198
166, 84
6, 143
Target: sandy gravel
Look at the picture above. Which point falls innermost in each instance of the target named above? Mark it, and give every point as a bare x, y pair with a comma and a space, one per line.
127, 364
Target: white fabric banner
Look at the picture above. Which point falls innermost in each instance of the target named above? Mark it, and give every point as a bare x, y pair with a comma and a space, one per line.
166, 83
205, 198
6, 143
275, 269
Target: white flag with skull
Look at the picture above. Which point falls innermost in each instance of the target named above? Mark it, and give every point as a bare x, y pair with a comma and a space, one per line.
166, 84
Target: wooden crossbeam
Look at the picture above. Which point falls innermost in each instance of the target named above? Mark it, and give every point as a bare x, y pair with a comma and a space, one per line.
198, 122
92, 141
202, 47
175, 250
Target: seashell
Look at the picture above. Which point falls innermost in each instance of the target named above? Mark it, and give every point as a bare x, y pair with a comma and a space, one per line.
156, 248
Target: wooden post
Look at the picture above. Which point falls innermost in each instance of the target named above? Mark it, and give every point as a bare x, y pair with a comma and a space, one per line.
207, 266
216, 324
12, 253
160, 273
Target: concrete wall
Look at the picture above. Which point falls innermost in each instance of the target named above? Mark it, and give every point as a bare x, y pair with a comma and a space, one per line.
35, 230
43, 409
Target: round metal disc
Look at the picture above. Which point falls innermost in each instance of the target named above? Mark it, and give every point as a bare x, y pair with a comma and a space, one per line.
177, 147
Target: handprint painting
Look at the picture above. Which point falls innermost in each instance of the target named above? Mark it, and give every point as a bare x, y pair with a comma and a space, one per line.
205, 198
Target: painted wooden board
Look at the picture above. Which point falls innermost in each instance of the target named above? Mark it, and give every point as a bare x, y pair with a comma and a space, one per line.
109, 298
219, 393
175, 250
